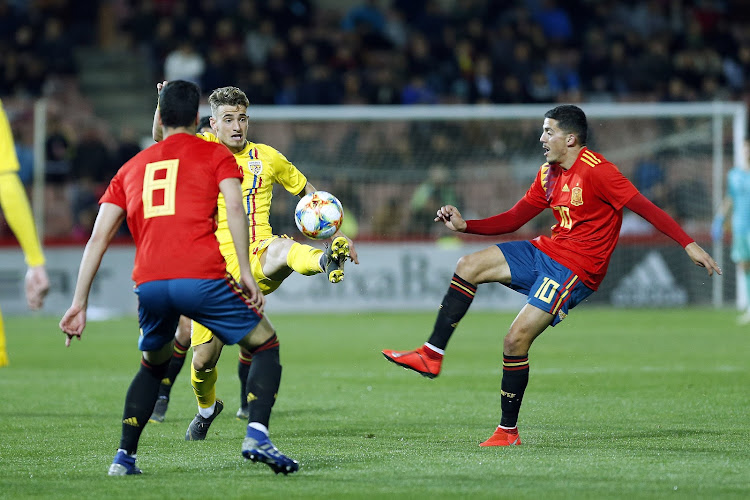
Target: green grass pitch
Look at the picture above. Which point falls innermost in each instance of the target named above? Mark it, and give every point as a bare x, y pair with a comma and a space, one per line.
621, 404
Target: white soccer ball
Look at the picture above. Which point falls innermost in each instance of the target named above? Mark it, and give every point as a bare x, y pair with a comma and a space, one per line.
319, 215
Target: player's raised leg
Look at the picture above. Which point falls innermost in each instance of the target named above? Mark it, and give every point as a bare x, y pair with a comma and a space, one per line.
284, 255
480, 267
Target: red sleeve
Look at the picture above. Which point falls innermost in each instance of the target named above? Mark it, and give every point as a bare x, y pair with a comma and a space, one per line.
506, 222
659, 219
115, 193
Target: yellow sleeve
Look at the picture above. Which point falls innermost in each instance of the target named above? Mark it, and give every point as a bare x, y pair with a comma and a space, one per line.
8, 158
286, 173
17, 211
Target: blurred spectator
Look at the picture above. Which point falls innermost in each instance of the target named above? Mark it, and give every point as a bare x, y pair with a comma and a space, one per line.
431, 20
554, 21
258, 43
561, 72
25, 153
258, 87
395, 30
56, 49
319, 87
367, 14
650, 177
436, 190
685, 198
127, 147
417, 92
219, 71
92, 167
59, 151
389, 220
383, 88
382, 52
184, 63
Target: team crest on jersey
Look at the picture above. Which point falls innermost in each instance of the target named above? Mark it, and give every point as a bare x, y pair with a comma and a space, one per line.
255, 166
576, 196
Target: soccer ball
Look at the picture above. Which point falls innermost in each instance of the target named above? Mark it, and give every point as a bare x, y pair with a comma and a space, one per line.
319, 215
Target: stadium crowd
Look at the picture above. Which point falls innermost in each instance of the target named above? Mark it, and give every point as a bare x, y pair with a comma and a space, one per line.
287, 52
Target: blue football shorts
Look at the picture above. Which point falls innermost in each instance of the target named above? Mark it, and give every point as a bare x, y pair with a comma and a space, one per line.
216, 303
550, 286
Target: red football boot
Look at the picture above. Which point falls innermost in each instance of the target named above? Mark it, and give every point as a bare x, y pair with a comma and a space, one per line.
425, 363
503, 437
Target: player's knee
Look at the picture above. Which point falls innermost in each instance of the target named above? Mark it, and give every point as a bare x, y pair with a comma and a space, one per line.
157, 368
204, 358
467, 267
516, 343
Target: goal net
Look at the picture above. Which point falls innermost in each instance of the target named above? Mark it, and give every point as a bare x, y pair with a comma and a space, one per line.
392, 167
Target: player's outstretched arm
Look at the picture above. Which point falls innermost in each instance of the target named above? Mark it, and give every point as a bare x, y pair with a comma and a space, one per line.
701, 258
667, 225
451, 217
107, 223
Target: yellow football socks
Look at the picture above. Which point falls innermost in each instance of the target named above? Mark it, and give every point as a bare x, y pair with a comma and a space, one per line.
304, 259
204, 385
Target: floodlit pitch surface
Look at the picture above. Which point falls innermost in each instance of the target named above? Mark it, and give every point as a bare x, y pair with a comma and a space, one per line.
621, 404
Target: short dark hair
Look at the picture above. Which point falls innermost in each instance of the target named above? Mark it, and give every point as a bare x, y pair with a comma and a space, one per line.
178, 103
570, 119
204, 122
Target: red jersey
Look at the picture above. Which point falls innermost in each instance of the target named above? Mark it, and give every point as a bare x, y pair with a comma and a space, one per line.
587, 200
170, 193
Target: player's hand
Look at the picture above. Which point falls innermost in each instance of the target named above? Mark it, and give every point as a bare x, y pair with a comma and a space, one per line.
73, 323
160, 86
37, 286
451, 217
717, 228
255, 297
701, 258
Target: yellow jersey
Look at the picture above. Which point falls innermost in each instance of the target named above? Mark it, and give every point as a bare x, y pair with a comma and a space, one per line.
262, 166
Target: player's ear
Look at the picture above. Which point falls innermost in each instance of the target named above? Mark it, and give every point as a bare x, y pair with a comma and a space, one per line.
571, 140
